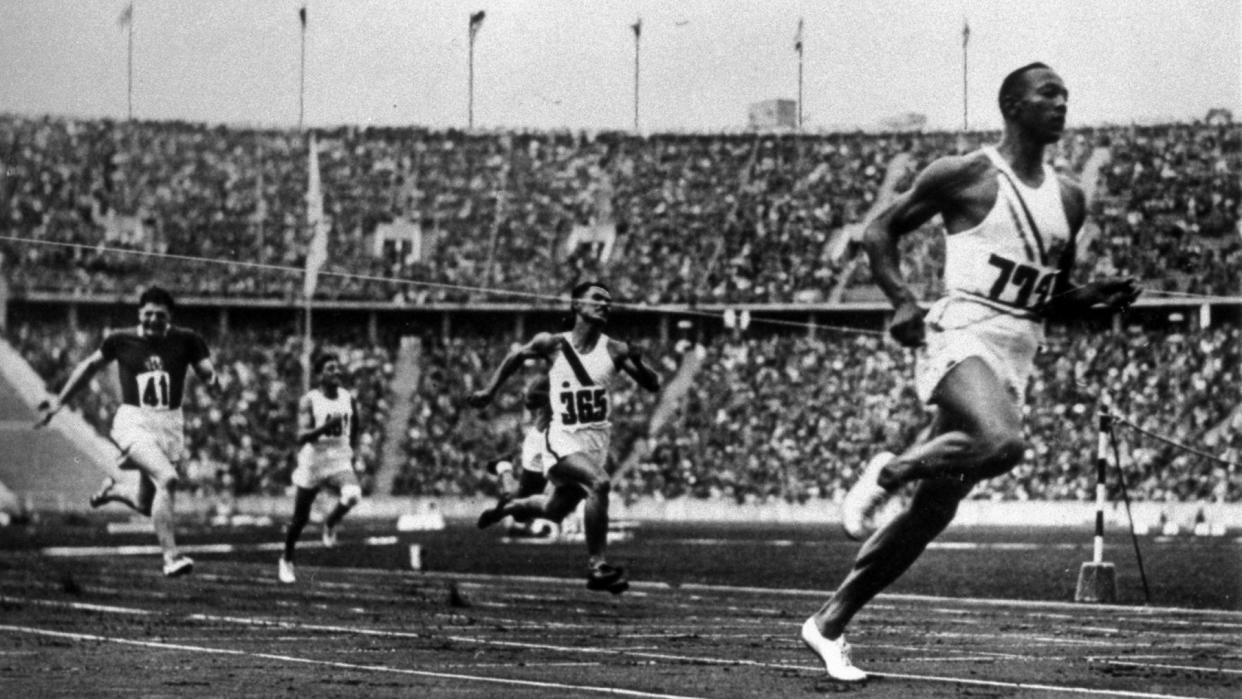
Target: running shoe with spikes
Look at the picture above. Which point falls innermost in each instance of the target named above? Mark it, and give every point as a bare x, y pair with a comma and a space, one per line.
494, 513
285, 571
834, 654
329, 536
865, 499
607, 578
179, 566
101, 496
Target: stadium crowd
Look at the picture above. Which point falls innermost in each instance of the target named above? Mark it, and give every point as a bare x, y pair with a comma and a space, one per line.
697, 218
665, 219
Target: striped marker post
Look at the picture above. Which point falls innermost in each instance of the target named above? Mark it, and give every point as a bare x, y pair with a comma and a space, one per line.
1097, 580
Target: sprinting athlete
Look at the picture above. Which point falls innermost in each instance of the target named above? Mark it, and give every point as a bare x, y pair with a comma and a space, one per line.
584, 363
529, 477
152, 361
1011, 225
328, 434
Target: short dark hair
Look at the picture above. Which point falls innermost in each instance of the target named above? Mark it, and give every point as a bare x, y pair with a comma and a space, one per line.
157, 295
322, 361
1013, 82
581, 288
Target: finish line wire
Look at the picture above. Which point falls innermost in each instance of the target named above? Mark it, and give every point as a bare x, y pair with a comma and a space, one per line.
1174, 443
289, 269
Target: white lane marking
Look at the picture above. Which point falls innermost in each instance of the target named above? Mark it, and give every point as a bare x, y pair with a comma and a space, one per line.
1165, 666
654, 656
338, 664
152, 549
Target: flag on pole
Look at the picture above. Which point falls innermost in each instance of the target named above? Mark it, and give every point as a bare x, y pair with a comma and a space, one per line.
637, 27
127, 16
317, 251
965, 32
798, 37
476, 23
302, 15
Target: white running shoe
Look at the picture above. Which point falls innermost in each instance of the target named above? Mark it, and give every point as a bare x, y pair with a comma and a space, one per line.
865, 499
329, 536
285, 572
835, 654
181, 565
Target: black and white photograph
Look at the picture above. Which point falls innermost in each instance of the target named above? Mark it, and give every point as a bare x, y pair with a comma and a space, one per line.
542, 348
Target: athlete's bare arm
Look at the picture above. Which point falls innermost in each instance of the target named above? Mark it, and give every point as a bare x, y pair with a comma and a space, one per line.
81, 375
206, 372
307, 431
354, 429
540, 346
953, 187
628, 357
1068, 301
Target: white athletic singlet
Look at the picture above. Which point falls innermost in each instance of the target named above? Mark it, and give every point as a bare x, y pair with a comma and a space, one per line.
335, 444
996, 276
1009, 261
580, 385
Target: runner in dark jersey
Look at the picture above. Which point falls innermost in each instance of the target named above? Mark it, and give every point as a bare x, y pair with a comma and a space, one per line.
152, 361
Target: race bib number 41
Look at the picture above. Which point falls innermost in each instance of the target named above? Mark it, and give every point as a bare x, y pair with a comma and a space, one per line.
153, 389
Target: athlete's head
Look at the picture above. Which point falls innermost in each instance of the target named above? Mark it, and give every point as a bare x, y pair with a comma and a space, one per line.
328, 370
155, 308
537, 396
1034, 99
591, 301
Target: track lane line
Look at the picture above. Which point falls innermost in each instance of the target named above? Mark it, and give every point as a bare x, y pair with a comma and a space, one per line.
693, 659
614, 691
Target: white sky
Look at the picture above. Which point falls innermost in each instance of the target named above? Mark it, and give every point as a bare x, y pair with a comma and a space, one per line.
557, 63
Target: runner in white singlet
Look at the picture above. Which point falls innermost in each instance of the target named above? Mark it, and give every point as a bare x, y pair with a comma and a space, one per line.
1011, 223
584, 363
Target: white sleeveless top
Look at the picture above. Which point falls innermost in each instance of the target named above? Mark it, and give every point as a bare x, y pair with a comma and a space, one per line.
580, 385
336, 442
1009, 261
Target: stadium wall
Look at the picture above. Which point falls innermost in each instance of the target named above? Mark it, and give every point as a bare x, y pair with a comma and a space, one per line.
972, 513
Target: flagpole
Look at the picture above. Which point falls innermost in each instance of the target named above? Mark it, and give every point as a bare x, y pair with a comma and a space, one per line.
302, 76
965, 90
637, 42
799, 90
129, 91
306, 298
470, 85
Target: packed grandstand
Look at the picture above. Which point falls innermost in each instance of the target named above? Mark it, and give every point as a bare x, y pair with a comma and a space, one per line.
430, 219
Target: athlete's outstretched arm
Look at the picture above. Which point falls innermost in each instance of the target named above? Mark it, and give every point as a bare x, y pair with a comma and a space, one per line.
541, 346
630, 359
206, 372
1068, 301
354, 429
81, 375
930, 194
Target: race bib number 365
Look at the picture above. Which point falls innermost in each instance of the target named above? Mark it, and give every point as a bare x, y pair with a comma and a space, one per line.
584, 405
153, 389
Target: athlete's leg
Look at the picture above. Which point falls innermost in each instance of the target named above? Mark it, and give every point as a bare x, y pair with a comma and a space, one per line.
978, 432
891, 550
580, 469
349, 493
157, 490
983, 438
302, 501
